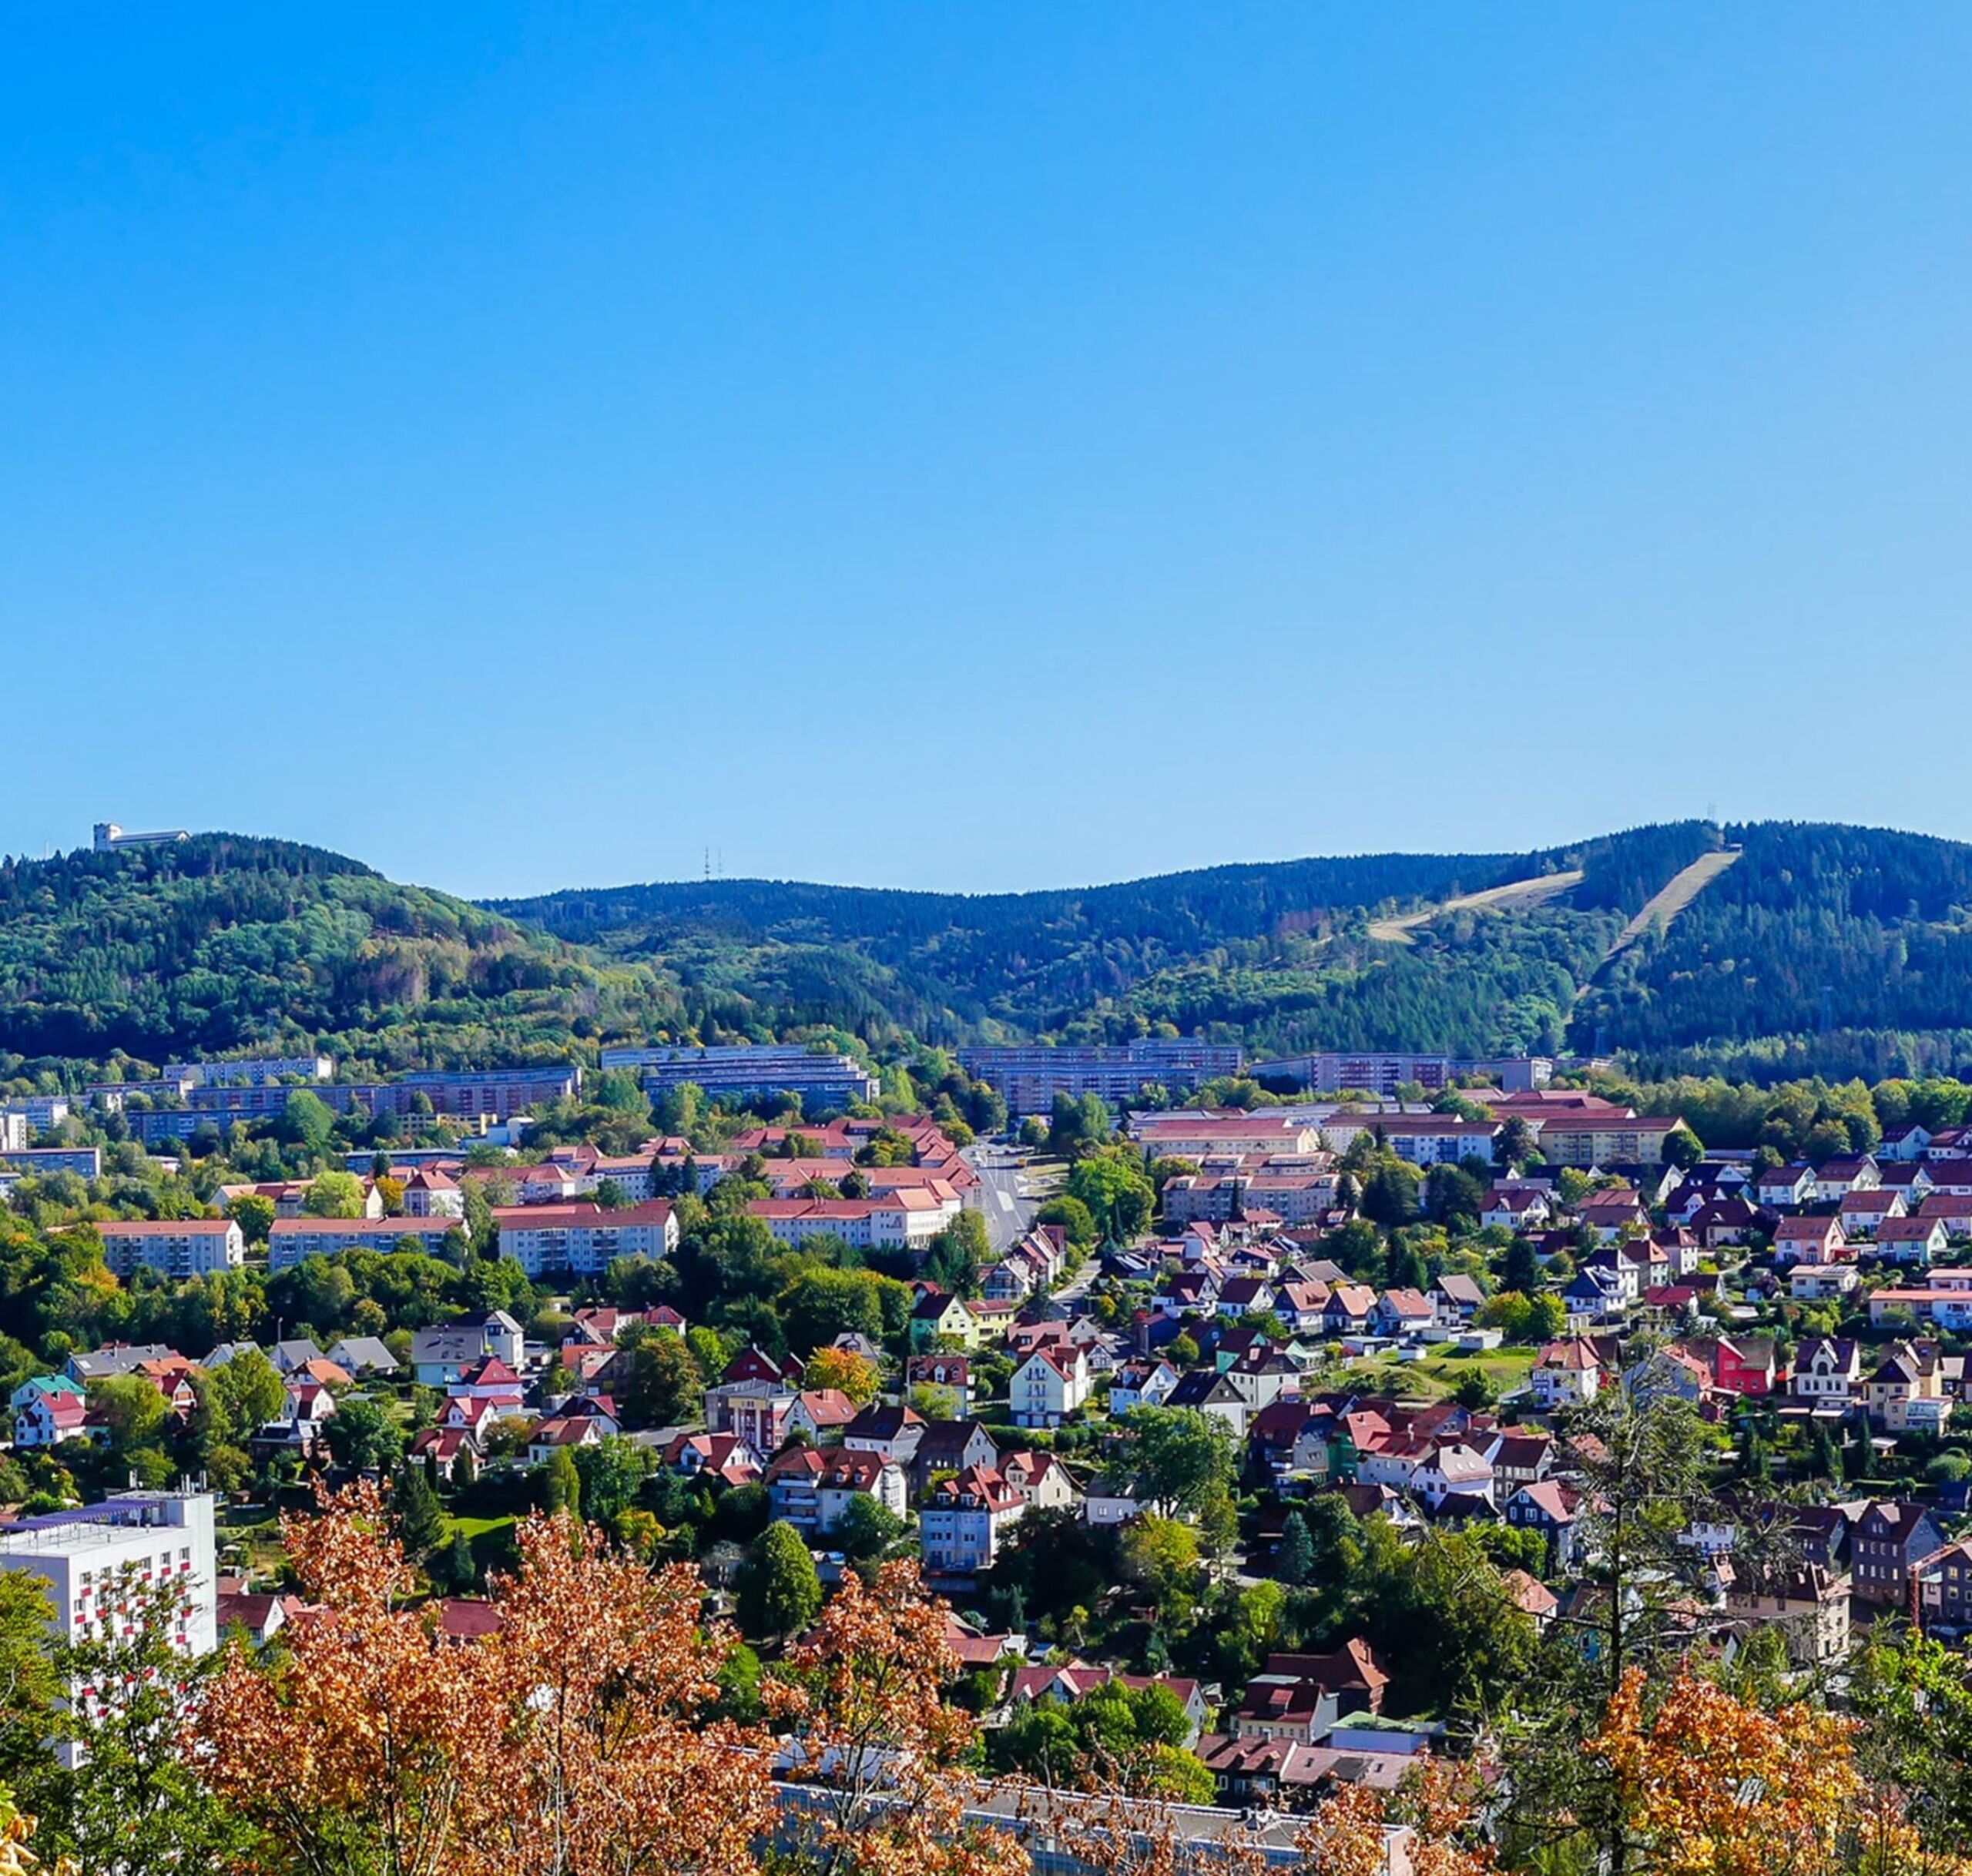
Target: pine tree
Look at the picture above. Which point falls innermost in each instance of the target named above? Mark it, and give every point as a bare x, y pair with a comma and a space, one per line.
1294, 1563
460, 1571
420, 1520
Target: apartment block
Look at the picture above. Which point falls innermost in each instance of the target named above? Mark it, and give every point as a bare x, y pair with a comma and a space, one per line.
1029, 1076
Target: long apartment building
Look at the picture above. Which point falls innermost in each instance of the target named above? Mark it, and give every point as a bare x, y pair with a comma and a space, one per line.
293, 1239
251, 1070
488, 1093
1382, 1072
84, 1162
905, 1219
585, 1240
176, 1247
740, 1073
1029, 1076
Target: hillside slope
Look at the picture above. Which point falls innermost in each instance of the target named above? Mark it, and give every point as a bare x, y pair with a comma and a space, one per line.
1823, 945
222, 941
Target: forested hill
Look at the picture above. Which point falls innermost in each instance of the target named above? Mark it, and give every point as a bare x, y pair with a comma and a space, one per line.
1837, 948
1820, 946
222, 941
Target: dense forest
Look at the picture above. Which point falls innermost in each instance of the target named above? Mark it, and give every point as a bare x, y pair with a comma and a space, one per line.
1819, 949
221, 942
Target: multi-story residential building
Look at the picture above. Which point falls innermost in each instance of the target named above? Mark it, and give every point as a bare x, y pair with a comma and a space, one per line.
292, 1239
1053, 1382
1029, 1076
1888, 1543
585, 1240
1810, 1607
1944, 1588
905, 1219
1423, 1139
86, 1558
84, 1162
251, 1071
965, 1518
1336, 1072
1591, 1138
740, 1073
1187, 1134
178, 1247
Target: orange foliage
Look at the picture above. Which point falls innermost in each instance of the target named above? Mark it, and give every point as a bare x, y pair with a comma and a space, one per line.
1712, 1787
569, 1742
881, 1746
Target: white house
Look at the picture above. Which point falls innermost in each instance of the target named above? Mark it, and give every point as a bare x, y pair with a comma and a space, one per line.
1053, 1382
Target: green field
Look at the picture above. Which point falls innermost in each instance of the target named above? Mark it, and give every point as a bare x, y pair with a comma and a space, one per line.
1439, 1374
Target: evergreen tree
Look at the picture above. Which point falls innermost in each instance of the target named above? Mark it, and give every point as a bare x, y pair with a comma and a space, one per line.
1294, 1563
421, 1521
564, 1483
462, 1572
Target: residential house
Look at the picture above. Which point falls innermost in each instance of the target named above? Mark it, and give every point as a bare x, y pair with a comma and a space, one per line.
1350, 1309
893, 1432
1566, 1374
1827, 1371
51, 1409
1863, 1208
440, 1355
1401, 1312
951, 1447
964, 1519
442, 1447
1455, 1299
937, 1318
1816, 1283
1808, 1605
949, 1373
1784, 1187
847, 1474
1052, 1383
1809, 1239
1554, 1508
1889, 1542
1720, 1223
1040, 1481
1906, 1392
1205, 1391
1836, 1179
1142, 1384
1912, 1241
364, 1354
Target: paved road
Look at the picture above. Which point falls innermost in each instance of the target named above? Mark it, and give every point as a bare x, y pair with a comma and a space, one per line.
1007, 1212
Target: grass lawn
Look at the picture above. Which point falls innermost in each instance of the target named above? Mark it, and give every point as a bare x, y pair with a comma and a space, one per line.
1431, 1379
1506, 1368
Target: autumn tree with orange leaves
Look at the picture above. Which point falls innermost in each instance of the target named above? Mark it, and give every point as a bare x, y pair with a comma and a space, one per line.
881, 1753
571, 1741
1710, 1786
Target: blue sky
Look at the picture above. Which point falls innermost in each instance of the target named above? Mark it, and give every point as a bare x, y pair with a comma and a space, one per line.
979, 448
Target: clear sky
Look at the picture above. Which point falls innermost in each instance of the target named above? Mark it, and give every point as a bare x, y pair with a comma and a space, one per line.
980, 447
